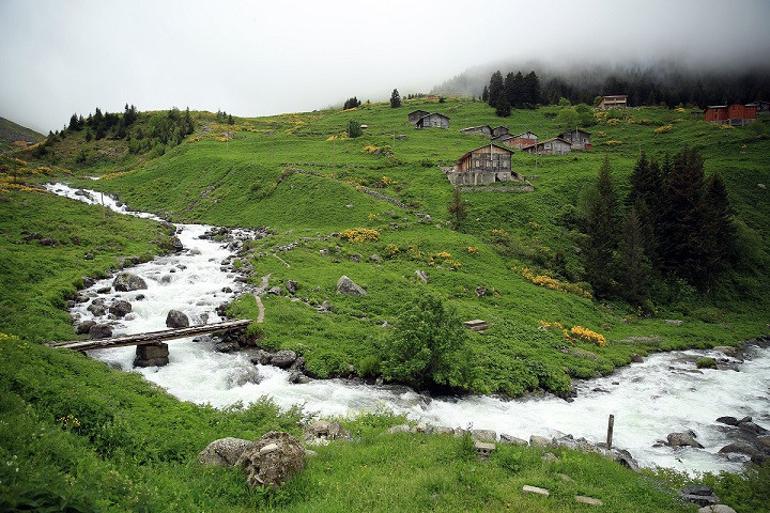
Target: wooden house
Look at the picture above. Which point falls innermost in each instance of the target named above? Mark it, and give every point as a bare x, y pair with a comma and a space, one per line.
484, 165
735, 114
554, 146
499, 130
434, 119
481, 129
415, 115
616, 101
518, 141
578, 138
762, 106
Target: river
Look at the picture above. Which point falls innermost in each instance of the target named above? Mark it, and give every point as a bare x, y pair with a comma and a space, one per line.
664, 393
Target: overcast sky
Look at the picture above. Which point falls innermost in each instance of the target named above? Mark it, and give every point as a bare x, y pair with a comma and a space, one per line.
254, 57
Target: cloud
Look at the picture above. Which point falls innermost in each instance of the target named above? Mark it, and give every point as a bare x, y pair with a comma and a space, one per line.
253, 58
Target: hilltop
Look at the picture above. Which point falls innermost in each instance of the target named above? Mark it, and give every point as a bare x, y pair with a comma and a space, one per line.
11, 133
302, 177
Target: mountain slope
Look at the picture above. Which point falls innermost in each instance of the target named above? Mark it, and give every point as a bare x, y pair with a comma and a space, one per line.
11, 133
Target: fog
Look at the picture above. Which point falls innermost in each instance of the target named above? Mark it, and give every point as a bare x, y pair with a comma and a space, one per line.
252, 58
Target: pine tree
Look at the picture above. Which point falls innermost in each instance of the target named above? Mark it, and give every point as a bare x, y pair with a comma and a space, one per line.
503, 107
230, 120
719, 232
647, 197
73, 123
496, 88
81, 122
395, 99
485, 94
518, 98
532, 88
89, 135
189, 126
457, 209
600, 223
633, 264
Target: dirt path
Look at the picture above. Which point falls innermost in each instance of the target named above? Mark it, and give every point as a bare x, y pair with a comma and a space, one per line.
261, 289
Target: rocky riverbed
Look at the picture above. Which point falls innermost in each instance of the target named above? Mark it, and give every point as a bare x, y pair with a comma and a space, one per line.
666, 394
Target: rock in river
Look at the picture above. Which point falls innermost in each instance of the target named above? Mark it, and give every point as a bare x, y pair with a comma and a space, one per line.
676, 440
283, 359
120, 308
98, 331
125, 282
177, 319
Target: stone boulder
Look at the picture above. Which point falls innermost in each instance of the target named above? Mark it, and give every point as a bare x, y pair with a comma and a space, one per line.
99, 331
151, 355
540, 441
716, 508
320, 432
421, 275
283, 359
272, 460
126, 282
676, 440
84, 327
97, 307
176, 244
120, 308
347, 286
224, 452
700, 495
484, 435
509, 439
177, 319
297, 378
292, 286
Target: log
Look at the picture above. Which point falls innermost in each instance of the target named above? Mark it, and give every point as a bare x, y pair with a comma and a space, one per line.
140, 339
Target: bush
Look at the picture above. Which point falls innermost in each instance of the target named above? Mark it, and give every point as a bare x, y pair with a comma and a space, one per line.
706, 362
354, 129
427, 347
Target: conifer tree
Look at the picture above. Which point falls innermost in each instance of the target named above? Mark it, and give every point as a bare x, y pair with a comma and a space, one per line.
600, 219
503, 107
485, 94
73, 123
633, 265
496, 88
532, 88
395, 99
719, 233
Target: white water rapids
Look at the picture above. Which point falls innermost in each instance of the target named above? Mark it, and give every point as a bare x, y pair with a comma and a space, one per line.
663, 394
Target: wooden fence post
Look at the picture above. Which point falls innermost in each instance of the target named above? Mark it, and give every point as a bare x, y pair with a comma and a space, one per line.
610, 428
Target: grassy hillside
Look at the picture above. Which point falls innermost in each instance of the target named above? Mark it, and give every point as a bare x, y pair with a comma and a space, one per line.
11, 133
301, 176
78, 436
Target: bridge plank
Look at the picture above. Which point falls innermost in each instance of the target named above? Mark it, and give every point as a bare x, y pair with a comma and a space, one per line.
151, 337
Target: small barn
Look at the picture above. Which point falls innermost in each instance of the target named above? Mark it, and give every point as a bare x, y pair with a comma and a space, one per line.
615, 101
579, 139
735, 114
484, 165
762, 106
518, 141
434, 119
554, 146
499, 131
481, 130
415, 115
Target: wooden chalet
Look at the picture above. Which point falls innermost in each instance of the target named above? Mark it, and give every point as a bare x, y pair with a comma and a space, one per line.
415, 115
735, 114
484, 165
518, 141
616, 101
433, 120
554, 146
481, 129
579, 139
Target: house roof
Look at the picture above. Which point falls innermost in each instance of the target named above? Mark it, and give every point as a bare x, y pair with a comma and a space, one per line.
615, 97
576, 130
525, 133
416, 111
474, 128
504, 137
464, 155
716, 106
500, 126
433, 114
540, 143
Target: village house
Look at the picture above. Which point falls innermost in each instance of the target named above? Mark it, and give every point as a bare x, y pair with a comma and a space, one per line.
434, 119
762, 106
735, 114
554, 146
518, 141
484, 165
415, 115
481, 129
499, 130
578, 138
617, 101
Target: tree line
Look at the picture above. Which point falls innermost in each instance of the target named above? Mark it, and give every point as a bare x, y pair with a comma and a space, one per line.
515, 90
675, 224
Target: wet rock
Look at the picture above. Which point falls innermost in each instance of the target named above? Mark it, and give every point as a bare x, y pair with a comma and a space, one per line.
97, 307
539, 441
99, 331
291, 286
176, 244
484, 435
700, 495
165, 278
320, 432
752, 428
177, 319
624, 457
104, 290
283, 359
741, 448
297, 378
346, 286
400, 428
84, 327
730, 421
272, 460
259, 356
728, 350
242, 376
151, 355
120, 308
508, 439
126, 282
88, 281
139, 297
224, 452
676, 440
226, 347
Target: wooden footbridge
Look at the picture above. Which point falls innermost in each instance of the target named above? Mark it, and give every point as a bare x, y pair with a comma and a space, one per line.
152, 337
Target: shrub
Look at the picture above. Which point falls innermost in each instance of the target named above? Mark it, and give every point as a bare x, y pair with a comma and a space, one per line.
548, 282
706, 362
663, 129
361, 235
472, 250
427, 346
354, 129
586, 335
391, 250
